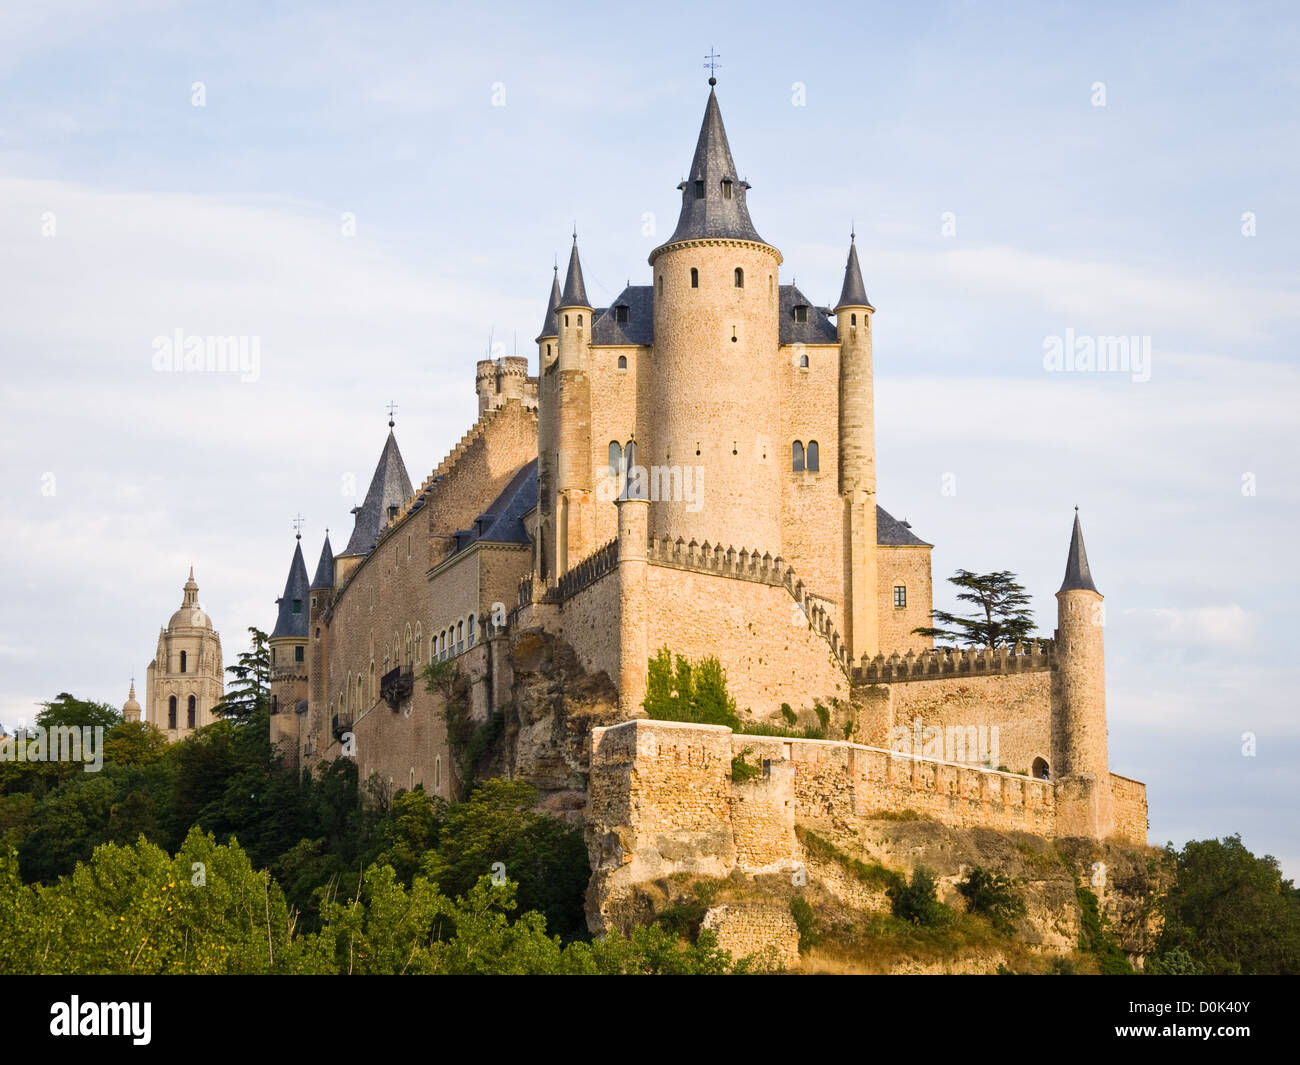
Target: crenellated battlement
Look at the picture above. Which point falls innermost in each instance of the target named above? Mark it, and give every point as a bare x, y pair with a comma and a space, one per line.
596, 565
1031, 657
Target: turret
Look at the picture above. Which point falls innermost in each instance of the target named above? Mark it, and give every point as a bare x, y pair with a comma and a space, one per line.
288, 641
499, 380
131, 708
1080, 763
857, 460
321, 595
715, 367
575, 500
548, 349
390, 487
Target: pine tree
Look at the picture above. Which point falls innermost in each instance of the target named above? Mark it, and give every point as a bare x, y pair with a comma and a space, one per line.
250, 692
1002, 602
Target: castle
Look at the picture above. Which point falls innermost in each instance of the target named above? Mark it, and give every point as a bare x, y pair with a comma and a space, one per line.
693, 466
185, 679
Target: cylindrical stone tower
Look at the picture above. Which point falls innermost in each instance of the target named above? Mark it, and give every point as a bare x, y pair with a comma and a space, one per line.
575, 517
717, 442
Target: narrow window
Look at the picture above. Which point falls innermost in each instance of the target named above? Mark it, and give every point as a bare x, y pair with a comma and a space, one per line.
726, 188
579, 321
695, 278
313, 602
853, 319
796, 457
297, 606
183, 660
622, 362
812, 456
191, 713
900, 595
460, 637
171, 712
615, 458
661, 284
699, 190
803, 360
298, 654
620, 313
275, 704
566, 321
437, 773
548, 351
801, 313
471, 630
273, 656
740, 277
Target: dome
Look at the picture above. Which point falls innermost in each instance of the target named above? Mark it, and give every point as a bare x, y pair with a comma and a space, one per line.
190, 615
131, 704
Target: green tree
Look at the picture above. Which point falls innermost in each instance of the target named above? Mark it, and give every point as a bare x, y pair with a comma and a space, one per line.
679, 690
917, 901
1231, 912
993, 895
1000, 607
249, 693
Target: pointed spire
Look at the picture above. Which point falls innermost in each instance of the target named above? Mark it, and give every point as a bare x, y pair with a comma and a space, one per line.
1077, 574
854, 292
325, 567
390, 487
190, 594
292, 617
551, 324
575, 292
713, 196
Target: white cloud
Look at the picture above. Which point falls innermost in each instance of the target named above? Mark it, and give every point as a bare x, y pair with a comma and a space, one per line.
1214, 626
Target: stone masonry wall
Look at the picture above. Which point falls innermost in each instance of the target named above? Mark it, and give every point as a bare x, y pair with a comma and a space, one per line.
1130, 804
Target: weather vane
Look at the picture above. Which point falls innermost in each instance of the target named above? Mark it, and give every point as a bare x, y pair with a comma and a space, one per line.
392, 408
711, 61
297, 526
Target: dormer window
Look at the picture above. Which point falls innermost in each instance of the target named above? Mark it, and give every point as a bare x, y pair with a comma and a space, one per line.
801, 313
699, 190
726, 188
392, 512
620, 313
297, 606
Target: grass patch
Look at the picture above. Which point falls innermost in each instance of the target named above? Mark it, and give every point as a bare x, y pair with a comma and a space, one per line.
873, 874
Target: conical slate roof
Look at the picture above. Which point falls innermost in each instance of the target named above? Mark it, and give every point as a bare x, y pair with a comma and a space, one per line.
389, 487
707, 209
289, 622
575, 292
551, 324
325, 567
854, 292
1077, 574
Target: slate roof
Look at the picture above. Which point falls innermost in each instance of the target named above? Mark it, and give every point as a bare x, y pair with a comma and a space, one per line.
325, 567
551, 324
854, 292
287, 623
575, 292
389, 487
818, 329
890, 532
640, 325
1077, 574
712, 214
502, 522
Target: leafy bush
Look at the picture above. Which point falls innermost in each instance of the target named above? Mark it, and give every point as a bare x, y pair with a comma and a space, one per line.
918, 900
810, 934
1095, 936
680, 690
791, 718
741, 770
994, 896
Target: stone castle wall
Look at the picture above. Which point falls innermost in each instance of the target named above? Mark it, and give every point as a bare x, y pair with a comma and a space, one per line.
910, 567
1129, 799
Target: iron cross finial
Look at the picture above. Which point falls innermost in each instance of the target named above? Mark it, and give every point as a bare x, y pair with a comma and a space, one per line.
297, 526
711, 61
392, 409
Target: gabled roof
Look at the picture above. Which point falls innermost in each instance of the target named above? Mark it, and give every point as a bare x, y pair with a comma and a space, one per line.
389, 487
709, 212
551, 324
575, 292
890, 532
640, 325
818, 329
287, 623
854, 292
1077, 574
502, 522
325, 567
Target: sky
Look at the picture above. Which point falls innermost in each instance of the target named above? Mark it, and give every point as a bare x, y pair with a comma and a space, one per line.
374, 194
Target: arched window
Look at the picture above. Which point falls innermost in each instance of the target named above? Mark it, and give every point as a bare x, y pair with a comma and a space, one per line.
372, 680
579, 321
191, 713
661, 284
695, 278
1040, 770
419, 638
460, 636
853, 319
171, 712
471, 630
433, 649
622, 362
437, 774
183, 661
566, 321
407, 647
803, 360
796, 456
361, 694
740, 277
812, 456
615, 459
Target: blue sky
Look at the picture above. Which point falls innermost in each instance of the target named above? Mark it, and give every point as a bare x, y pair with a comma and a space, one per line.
127, 213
